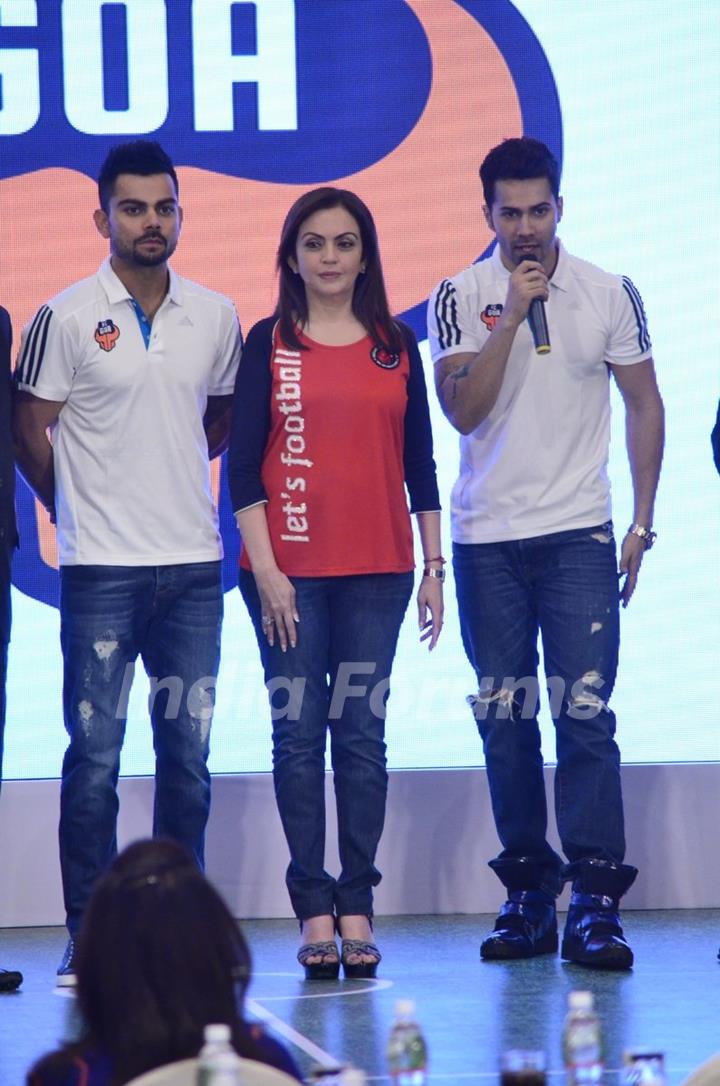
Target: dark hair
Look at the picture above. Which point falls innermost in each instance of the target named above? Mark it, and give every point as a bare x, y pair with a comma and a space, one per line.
158, 957
141, 157
520, 159
369, 304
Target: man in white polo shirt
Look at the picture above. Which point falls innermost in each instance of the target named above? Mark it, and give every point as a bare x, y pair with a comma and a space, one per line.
533, 546
132, 370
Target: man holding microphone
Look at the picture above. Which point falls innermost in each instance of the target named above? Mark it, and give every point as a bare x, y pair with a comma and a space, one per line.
533, 544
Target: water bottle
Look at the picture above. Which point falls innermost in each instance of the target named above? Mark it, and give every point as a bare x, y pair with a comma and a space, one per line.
582, 1041
406, 1050
218, 1062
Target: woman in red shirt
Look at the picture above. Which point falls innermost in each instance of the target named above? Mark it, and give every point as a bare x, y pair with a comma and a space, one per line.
330, 425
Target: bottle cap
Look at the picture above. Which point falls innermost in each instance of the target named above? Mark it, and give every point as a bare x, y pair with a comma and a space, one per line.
642, 1054
405, 1008
326, 1072
353, 1076
217, 1031
580, 1001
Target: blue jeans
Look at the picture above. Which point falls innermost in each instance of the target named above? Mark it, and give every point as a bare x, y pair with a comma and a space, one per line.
171, 617
336, 678
566, 586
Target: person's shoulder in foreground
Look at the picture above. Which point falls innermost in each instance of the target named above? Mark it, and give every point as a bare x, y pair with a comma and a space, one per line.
70, 1066
75, 1066
272, 1052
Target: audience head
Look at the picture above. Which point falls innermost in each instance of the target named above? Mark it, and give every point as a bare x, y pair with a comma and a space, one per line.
159, 956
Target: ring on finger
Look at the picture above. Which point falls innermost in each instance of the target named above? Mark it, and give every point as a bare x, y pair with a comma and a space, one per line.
267, 620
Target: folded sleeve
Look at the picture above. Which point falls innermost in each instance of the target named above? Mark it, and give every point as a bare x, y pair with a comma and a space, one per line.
450, 324
227, 360
629, 340
48, 356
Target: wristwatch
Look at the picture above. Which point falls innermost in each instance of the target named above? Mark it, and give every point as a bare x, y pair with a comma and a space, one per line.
438, 574
646, 534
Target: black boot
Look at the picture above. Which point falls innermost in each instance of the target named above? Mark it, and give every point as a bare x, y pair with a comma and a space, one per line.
526, 925
593, 934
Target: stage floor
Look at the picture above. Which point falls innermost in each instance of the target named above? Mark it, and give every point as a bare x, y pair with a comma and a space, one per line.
470, 1011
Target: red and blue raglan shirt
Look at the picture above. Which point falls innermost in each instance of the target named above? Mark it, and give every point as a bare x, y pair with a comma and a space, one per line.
329, 437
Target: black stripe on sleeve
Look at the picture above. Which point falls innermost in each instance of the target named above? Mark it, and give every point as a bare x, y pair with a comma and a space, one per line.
639, 309
40, 355
28, 342
34, 349
446, 315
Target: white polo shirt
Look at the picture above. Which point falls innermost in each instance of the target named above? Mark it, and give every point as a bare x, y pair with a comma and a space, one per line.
132, 476
538, 463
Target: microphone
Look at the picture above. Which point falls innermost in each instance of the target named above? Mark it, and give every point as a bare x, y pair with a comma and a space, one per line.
538, 326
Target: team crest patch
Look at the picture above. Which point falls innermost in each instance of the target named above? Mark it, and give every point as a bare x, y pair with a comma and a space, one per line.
106, 335
490, 314
386, 360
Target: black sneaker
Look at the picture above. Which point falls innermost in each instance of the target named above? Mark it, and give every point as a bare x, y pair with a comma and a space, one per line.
593, 933
10, 980
66, 970
526, 927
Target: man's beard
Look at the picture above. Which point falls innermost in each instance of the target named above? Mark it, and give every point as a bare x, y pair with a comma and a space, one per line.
150, 260
135, 255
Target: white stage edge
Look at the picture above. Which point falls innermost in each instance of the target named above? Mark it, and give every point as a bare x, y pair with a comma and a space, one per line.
438, 837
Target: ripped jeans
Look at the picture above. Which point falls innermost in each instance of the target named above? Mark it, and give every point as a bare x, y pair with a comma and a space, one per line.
565, 586
171, 617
